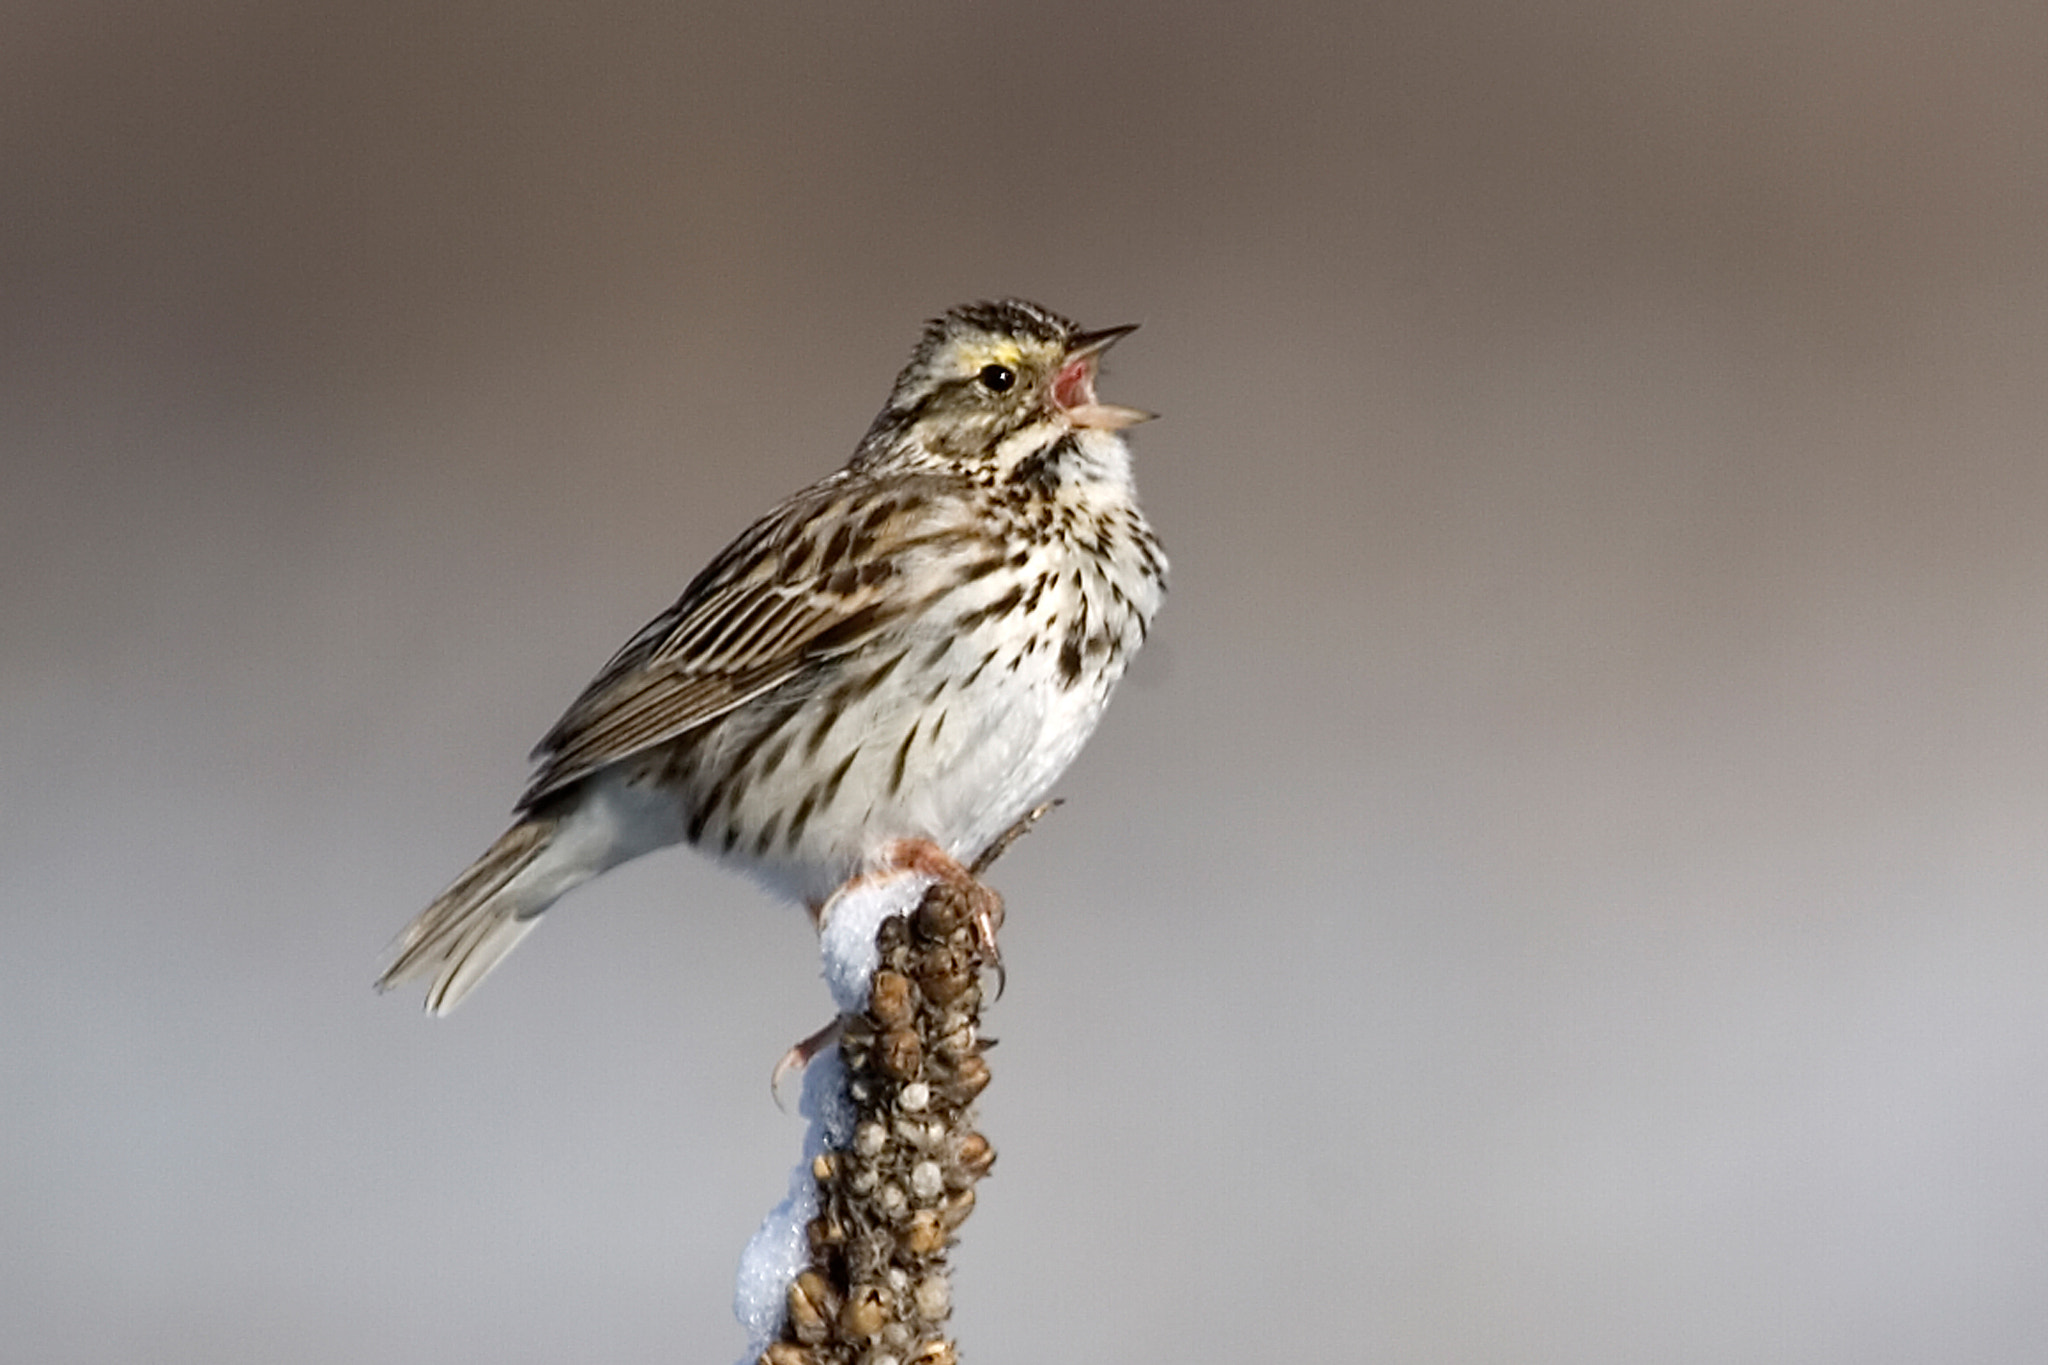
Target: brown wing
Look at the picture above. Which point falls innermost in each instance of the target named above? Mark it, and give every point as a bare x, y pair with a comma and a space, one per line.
820, 575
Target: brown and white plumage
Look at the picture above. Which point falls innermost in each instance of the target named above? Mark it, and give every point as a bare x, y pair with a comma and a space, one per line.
909, 650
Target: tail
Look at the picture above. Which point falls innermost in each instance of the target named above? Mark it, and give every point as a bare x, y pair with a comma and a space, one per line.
472, 925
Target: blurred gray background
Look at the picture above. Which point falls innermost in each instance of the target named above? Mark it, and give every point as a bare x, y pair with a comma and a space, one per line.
1566, 882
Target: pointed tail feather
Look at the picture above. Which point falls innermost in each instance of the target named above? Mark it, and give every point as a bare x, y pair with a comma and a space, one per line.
472, 925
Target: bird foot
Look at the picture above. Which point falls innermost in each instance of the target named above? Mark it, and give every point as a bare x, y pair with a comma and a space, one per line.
984, 903
984, 914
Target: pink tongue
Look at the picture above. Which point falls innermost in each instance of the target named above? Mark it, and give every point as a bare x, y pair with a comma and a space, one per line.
1074, 385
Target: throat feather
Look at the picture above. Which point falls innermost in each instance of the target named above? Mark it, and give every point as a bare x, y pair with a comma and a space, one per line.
1041, 468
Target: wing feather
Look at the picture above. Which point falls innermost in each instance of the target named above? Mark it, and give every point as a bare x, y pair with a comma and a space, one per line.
772, 603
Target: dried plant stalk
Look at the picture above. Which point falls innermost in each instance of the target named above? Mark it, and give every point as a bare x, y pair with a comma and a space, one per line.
890, 1202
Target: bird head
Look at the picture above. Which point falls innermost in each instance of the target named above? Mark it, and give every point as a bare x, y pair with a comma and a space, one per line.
986, 374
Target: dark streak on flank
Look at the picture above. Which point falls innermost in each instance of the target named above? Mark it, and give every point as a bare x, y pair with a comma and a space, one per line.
831, 787
772, 756
1000, 607
1038, 587
986, 660
873, 680
902, 760
1070, 660
981, 568
802, 816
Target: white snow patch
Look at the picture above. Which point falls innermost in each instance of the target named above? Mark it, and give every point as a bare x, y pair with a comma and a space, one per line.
852, 917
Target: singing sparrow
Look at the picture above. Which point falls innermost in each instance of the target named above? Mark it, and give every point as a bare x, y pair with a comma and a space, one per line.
888, 669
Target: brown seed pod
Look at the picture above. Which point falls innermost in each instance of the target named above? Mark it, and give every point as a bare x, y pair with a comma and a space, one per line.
969, 1079
949, 974
942, 912
812, 1306
926, 1235
975, 1156
787, 1353
892, 1000
893, 937
954, 1211
863, 1313
955, 1041
901, 1054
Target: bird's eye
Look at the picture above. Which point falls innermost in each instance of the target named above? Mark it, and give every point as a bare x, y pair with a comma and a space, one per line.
997, 378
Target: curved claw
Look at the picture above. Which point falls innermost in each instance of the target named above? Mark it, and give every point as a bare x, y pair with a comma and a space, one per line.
800, 1056
988, 916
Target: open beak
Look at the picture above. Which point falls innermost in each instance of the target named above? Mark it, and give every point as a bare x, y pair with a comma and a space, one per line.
1073, 387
